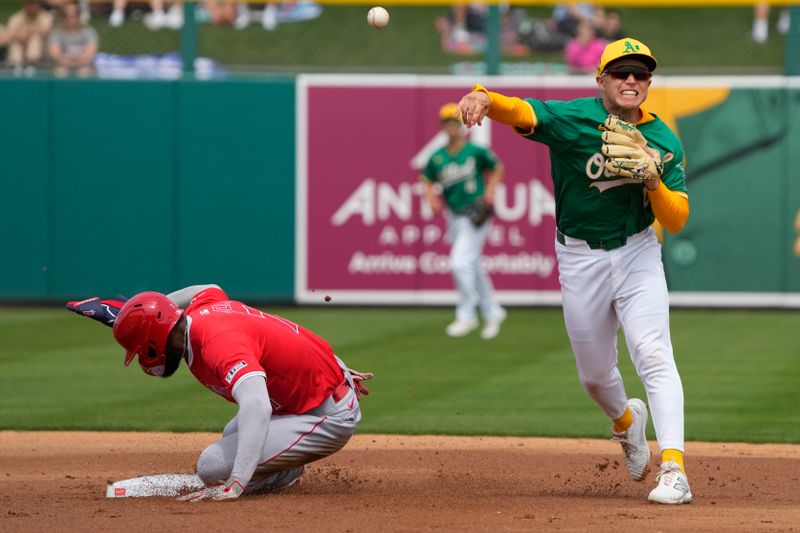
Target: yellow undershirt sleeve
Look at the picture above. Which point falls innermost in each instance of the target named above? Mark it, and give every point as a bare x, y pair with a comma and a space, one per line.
671, 208
509, 110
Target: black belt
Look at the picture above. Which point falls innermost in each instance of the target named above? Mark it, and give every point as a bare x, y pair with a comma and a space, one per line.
608, 244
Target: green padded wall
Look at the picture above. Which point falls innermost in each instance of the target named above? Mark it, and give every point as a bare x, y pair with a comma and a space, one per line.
25, 141
743, 195
235, 216
122, 186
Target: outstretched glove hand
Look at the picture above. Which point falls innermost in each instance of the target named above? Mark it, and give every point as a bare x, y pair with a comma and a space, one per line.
104, 311
626, 151
228, 491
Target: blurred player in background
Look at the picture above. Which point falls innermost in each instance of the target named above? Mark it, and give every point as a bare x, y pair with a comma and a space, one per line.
609, 259
297, 401
458, 170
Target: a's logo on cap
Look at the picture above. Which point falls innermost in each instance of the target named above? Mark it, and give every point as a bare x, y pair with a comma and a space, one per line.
630, 48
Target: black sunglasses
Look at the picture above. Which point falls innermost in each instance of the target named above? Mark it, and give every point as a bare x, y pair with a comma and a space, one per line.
622, 73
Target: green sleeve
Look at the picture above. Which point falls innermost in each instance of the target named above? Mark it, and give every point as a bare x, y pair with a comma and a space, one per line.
487, 159
429, 172
554, 124
674, 175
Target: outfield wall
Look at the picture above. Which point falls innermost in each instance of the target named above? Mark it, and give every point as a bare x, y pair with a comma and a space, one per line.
120, 186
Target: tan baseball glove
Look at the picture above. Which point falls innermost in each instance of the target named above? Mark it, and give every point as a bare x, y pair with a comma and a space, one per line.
626, 151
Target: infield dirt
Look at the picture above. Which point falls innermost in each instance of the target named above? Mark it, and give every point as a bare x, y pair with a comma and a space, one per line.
52, 481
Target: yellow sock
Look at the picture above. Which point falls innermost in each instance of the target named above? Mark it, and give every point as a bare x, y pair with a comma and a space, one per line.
675, 456
622, 423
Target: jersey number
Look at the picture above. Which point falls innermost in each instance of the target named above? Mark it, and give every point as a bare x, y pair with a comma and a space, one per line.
261, 314
226, 307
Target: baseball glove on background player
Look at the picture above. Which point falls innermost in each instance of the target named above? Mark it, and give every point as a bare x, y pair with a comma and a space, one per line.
479, 212
626, 151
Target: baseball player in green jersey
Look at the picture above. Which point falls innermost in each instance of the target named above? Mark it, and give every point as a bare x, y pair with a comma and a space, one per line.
615, 168
458, 169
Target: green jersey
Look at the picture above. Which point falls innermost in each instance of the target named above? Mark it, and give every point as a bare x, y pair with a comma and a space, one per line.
460, 174
592, 204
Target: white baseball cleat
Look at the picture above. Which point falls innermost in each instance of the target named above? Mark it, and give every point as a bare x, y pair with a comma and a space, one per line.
460, 328
634, 441
492, 326
673, 487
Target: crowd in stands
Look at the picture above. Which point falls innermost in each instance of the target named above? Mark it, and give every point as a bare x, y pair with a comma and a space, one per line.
760, 32
164, 14
49, 33
578, 30
57, 34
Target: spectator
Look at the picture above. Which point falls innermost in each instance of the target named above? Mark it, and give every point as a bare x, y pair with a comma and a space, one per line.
584, 50
269, 16
463, 31
73, 44
26, 34
760, 32
466, 19
275, 13
610, 27
553, 34
4, 38
55, 5
220, 11
797, 234
159, 18
567, 17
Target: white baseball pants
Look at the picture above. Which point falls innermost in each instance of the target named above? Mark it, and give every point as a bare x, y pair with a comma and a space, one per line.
602, 290
292, 441
472, 282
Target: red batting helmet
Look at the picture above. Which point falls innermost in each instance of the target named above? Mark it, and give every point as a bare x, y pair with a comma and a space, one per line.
142, 328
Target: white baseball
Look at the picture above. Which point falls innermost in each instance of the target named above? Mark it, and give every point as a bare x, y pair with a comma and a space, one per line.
378, 17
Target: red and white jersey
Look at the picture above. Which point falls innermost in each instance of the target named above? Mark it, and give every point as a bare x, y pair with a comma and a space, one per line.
230, 340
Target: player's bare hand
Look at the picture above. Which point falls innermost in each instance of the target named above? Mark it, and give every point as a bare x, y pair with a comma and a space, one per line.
361, 376
436, 204
228, 491
473, 108
358, 381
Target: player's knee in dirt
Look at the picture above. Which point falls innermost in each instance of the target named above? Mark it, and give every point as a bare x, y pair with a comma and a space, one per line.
212, 467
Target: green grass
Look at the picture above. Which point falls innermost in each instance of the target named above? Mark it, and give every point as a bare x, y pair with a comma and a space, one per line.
688, 40
740, 372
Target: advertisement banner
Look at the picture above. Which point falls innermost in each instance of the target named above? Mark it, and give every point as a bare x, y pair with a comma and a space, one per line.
366, 234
